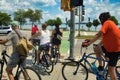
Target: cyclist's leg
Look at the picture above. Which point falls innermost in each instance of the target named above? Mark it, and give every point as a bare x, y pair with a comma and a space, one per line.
13, 61
98, 51
38, 56
113, 58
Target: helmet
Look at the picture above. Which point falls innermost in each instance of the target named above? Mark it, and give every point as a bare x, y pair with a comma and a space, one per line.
104, 16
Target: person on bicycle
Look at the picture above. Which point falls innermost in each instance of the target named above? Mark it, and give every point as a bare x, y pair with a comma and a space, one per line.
15, 56
44, 37
111, 41
56, 37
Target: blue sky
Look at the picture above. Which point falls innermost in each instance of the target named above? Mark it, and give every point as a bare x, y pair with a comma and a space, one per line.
51, 8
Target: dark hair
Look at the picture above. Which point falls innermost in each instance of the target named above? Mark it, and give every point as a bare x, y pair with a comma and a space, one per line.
104, 16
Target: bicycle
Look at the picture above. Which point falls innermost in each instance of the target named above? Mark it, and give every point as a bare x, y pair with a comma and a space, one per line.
45, 60
22, 73
54, 54
77, 69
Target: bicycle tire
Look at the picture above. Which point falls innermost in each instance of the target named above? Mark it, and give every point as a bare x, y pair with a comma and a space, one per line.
47, 63
34, 56
69, 68
34, 75
55, 55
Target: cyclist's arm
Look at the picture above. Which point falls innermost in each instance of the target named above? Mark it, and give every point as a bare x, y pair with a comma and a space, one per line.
97, 36
36, 35
3, 41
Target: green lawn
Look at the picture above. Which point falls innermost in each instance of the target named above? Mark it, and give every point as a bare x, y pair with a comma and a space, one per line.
65, 43
65, 46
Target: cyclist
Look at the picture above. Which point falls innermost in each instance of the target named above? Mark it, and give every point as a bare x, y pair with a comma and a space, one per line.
56, 37
44, 37
111, 41
33, 31
15, 56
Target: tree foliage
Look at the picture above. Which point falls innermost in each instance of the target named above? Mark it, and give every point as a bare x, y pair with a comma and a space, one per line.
33, 15
114, 19
52, 22
20, 16
95, 23
5, 19
89, 24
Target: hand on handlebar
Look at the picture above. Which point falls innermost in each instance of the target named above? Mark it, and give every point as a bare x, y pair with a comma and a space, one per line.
85, 43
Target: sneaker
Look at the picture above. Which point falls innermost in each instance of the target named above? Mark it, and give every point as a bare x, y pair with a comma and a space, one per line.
100, 70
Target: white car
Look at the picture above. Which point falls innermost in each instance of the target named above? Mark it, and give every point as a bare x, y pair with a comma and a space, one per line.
5, 29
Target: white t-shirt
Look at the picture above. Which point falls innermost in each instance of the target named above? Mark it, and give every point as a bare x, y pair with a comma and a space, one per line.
44, 37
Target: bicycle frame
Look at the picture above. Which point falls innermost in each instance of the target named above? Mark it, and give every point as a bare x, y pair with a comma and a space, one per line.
84, 58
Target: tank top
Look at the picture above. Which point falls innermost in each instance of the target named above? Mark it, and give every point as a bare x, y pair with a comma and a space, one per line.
45, 37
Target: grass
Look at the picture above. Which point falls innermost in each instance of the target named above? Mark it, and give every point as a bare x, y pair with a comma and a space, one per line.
65, 45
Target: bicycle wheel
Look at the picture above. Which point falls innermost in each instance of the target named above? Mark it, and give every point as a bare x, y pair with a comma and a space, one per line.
55, 55
118, 69
32, 74
74, 71
34, 56
47, 63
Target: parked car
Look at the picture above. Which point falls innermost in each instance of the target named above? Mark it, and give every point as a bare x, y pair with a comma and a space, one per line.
5, 29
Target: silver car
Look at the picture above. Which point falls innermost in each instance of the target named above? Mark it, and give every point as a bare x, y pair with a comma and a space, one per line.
5, 29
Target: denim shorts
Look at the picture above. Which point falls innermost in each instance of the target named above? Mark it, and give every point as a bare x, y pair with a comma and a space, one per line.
14, 59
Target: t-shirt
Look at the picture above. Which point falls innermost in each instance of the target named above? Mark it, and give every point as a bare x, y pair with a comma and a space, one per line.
111, 36
14, 38
34, 29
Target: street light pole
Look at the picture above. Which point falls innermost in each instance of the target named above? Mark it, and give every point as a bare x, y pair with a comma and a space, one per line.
72, 34
79, 22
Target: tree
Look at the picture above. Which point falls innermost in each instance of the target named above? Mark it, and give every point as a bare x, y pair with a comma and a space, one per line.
114, 19
20, 16
95, 23
89, 24
52, 22
34, 16
58, 21
5, 19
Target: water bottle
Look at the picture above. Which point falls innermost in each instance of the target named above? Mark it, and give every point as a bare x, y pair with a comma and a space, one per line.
94, 67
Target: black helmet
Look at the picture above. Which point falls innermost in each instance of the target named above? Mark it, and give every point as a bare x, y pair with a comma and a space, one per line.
104, 16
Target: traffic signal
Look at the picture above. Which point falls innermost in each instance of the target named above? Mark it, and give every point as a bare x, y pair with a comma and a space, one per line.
65, 5
83, 10
75, 3
82, 18
76, 11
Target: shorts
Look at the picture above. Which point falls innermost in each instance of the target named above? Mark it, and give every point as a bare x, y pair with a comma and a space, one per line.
14, 60
36, 41
44, 47
113, 58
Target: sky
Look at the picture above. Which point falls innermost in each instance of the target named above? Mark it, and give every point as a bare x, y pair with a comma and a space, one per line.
51, 8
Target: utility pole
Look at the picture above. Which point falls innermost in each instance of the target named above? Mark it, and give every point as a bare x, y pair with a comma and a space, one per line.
72, 34
79, 21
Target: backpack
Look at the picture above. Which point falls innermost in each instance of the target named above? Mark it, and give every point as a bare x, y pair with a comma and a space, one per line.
23, 46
